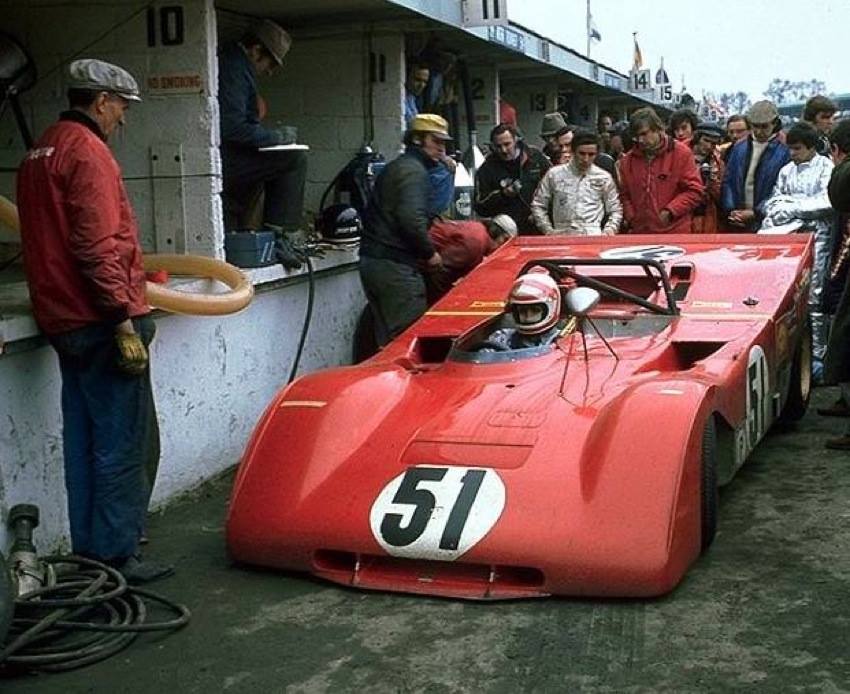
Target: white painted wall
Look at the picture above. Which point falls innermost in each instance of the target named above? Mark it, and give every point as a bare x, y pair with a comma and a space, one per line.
117, 31
212, 379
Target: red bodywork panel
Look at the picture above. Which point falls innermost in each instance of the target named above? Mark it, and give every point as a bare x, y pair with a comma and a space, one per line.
562, 473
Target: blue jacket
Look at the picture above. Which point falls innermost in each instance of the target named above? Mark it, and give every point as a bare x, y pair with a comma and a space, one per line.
775, 156
237, 101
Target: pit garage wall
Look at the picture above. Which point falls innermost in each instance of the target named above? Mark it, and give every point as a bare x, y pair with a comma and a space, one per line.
323, 89
213, 377
169, 149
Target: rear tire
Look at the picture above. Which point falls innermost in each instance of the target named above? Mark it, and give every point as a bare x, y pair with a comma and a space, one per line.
800, 385
709, 493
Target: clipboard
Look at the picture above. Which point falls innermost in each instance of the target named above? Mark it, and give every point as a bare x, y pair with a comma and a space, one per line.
284, 148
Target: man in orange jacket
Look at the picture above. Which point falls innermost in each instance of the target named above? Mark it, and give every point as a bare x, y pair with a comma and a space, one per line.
660, 185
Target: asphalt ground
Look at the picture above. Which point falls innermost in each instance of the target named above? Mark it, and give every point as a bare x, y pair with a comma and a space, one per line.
765, 610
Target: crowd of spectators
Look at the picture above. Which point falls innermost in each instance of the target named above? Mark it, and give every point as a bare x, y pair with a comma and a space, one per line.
682, 176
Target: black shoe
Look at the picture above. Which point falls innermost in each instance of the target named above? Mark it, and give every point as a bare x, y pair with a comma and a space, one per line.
137, 571
837, 409
842, 443
288, 254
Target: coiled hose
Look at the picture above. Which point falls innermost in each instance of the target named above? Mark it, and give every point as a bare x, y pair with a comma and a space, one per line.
87, 616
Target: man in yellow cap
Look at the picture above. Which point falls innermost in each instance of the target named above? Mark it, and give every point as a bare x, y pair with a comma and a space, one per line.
395, 248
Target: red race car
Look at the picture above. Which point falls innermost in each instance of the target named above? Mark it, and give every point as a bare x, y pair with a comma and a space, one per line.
458, 462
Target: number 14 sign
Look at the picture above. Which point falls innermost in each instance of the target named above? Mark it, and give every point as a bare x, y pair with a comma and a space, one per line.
640, 81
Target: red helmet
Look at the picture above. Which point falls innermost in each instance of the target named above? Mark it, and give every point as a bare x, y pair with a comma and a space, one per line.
535, 302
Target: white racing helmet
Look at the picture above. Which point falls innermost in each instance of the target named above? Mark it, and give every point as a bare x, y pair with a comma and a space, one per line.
535, 303
505, 224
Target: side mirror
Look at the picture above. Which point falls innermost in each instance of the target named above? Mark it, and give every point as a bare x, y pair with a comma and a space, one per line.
581, 301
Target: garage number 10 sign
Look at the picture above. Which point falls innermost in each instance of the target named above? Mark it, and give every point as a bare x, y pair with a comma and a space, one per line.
432, 512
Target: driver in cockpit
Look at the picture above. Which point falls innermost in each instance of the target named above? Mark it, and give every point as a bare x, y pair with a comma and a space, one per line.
534, 303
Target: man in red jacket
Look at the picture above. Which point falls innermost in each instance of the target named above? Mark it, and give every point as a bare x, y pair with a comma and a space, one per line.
660, 185
84, 268
463, 245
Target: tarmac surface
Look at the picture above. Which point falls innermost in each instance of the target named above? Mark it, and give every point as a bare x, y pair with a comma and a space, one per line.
765, 610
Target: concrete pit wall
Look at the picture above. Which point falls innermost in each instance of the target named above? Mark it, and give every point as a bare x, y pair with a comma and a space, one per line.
212, 378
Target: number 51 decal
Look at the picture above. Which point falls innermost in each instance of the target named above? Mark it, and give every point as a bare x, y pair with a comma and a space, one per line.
431, 512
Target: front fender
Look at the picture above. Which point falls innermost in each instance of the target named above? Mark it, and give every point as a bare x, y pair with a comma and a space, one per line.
640, 474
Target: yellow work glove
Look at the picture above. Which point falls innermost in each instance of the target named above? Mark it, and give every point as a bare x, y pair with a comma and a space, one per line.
132, 355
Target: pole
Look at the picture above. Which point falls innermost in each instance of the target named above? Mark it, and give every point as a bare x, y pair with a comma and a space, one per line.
587, 27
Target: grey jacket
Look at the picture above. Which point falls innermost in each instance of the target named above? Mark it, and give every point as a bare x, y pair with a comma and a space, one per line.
569, 202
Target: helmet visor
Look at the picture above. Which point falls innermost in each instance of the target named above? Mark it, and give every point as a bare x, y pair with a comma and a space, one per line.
529, 315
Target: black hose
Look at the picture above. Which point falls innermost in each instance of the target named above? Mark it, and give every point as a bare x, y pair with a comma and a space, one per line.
88, 615
308, 317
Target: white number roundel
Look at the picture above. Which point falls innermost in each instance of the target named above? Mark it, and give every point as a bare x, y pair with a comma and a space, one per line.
433, 512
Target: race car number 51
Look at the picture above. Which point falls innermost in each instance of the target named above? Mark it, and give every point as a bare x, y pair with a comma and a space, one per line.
431, 512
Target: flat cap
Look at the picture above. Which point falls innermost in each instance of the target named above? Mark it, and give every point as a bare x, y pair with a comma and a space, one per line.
762, 112
431, 123
711, 130
552, 123
97, 75
273, 37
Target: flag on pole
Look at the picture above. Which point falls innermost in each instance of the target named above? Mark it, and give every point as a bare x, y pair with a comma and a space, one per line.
637, 61
661, 76
592, 30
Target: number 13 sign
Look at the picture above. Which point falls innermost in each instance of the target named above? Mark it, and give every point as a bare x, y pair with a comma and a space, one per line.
437, 512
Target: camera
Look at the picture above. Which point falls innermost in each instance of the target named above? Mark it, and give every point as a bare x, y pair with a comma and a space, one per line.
510, 184
705, 172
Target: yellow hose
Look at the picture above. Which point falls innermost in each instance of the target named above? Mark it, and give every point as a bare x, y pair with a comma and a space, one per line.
162, 297
9, 215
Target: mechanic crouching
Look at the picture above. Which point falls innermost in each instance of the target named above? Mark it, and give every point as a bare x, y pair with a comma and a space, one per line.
395, 248
462, 245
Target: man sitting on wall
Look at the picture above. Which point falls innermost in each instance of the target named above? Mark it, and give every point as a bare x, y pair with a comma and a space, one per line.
281, 174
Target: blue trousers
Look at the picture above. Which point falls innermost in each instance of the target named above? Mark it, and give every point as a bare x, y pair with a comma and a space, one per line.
109, 427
